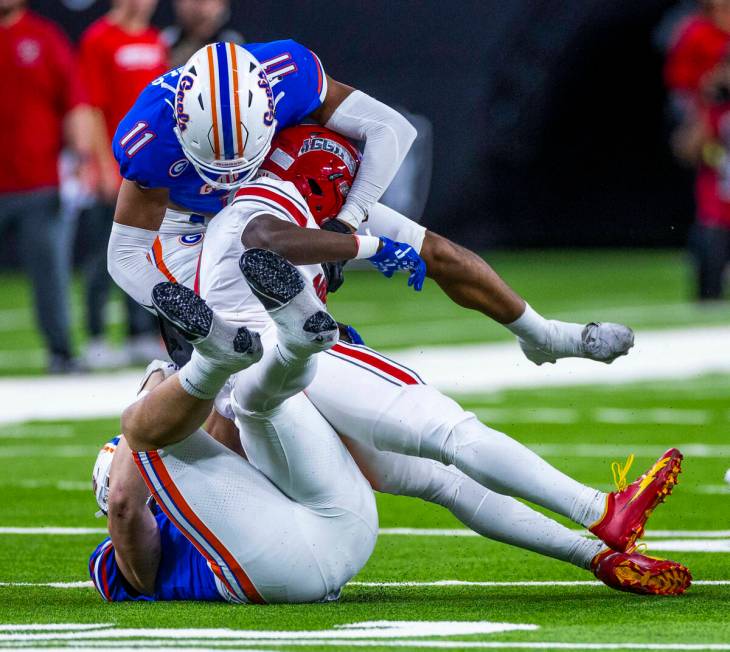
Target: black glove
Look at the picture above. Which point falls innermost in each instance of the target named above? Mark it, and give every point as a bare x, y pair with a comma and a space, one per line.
334, 271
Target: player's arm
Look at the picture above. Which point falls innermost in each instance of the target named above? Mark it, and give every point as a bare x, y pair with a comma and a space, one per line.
469, 281
387, 136
132, 526
302, 246
137, 219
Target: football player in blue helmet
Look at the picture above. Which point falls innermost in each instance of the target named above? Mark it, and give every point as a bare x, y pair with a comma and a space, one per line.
204, 129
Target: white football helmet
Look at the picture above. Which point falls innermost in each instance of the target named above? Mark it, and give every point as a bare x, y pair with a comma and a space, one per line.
100, 476
224, 114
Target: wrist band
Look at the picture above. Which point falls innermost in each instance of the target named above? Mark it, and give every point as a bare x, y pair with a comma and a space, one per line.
367, 246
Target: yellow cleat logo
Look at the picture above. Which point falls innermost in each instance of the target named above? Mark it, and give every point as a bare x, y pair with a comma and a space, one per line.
649, 477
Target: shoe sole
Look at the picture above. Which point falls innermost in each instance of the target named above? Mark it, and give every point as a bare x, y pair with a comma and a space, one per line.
673, 579
273, 279
672, 471
184, 309
191, 315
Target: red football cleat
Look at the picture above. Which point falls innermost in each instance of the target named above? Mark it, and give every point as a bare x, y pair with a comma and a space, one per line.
628, 509
638, 573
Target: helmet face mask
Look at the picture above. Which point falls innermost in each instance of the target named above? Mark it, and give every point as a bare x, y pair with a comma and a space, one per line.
224, 114
321, 163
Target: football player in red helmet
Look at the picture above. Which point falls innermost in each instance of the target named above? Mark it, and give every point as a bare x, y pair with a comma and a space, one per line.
323, 165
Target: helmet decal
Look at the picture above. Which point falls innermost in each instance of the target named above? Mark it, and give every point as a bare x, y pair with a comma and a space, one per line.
319, 162
316, 143
224, 111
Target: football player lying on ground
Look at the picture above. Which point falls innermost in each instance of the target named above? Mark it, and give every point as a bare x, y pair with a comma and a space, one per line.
178, 173
147, 558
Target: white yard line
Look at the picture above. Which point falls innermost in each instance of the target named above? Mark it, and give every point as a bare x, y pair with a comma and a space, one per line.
46, 451
152, 645
60, 485
658, 355
550, 449
654, 415
463, 532
54, 627
600, 415
404, 584
52, 530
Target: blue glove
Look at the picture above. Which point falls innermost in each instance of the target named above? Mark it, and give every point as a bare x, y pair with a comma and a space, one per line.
354, 336
398, 255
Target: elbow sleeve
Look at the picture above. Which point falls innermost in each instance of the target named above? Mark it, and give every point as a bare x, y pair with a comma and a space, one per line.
128, 264
388, 136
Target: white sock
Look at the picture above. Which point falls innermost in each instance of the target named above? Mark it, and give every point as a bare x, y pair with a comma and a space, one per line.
502, 464
558, 337
277, 377
202, 377
588, 507
487, 513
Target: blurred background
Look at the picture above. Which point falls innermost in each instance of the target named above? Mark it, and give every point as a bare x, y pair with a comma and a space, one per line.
566, 140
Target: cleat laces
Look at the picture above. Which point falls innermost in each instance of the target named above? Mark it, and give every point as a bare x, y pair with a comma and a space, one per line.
620, 472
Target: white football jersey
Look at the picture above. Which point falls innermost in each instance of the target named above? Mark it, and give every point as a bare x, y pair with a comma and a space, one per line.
220, 280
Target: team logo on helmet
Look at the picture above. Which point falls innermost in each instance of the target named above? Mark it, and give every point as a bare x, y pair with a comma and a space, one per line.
264, 83
317, 143
185, 84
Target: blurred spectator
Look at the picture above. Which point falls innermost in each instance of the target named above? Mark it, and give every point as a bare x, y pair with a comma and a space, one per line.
198, 22
42, 100
698, 74
120, 54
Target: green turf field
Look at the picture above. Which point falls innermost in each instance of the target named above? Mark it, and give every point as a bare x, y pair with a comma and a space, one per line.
408, 585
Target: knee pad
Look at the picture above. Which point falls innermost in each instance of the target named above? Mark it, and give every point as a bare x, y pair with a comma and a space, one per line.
465, 433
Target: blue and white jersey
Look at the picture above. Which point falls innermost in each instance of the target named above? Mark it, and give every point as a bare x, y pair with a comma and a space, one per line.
183, 573
147, 149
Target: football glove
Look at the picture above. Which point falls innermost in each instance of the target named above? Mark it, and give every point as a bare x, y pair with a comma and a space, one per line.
349, 334
393, 256
334, 271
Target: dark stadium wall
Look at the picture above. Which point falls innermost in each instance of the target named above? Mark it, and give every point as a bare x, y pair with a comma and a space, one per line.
548, 116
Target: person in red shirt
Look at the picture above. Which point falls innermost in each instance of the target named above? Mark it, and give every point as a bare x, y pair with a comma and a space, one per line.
42, 99
120, 54
697, 72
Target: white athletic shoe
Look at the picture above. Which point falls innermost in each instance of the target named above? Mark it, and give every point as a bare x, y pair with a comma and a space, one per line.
304, 326
602, 342
727, 476
231, 348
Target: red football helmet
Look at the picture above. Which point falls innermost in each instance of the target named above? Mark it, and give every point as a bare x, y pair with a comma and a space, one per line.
321, 163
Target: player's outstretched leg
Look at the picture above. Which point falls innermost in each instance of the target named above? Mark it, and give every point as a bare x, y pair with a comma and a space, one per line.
637, 573
304, 327
179, 405
603, 342
221, 349
393, 411
506, 519
504, 465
